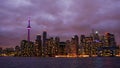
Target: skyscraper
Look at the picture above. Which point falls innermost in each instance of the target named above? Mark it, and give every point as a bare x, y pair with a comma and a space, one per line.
38, 46
110, 39
44, 37
28, 28
76, 43
44, 43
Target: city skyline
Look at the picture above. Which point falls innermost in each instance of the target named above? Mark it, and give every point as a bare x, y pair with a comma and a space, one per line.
84, 46
61, 18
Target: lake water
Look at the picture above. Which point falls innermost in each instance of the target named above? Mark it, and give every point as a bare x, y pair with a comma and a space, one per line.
36, 62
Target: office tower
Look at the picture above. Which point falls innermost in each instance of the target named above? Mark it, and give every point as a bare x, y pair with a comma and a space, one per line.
74, 46
87, 44
109, 47
62, 46
44, 38
57, 40
38, 40
67, 48
50, 48
110, 39
38, 46
95, 35
82, 39
28, 28
76, 43
82, 44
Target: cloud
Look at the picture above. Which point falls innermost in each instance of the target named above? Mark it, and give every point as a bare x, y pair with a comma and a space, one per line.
59, 17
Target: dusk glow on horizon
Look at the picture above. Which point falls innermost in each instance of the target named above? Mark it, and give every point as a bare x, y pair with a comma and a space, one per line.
63, 18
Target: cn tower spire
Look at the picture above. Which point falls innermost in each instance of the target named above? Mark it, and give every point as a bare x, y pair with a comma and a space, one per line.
28, 28
29, 23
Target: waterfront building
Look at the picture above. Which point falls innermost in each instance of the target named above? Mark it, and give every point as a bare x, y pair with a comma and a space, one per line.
74, 46
98, 45
61, 50
44, 38
8, 52
17, 51
67, 48
109, 39
109, 47
27, 48
57, 41
38, 46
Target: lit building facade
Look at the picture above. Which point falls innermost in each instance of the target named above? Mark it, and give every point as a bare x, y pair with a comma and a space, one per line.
73, 46
98, 45
27, 48
109, 40
44, 43
38, 46
44, 38
62, 49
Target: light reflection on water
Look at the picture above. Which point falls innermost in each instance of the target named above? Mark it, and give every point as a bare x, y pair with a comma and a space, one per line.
36, 62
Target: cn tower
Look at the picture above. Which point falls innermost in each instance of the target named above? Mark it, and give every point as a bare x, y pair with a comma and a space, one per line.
28, 28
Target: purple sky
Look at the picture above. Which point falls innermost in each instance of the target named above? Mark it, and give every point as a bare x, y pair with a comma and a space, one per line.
62, 18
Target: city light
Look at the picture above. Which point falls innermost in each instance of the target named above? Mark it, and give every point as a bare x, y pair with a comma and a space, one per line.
84, 46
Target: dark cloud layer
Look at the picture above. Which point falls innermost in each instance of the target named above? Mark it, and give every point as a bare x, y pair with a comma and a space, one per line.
62, 18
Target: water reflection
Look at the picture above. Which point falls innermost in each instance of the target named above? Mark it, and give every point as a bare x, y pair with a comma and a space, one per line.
33, 62
99, 63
